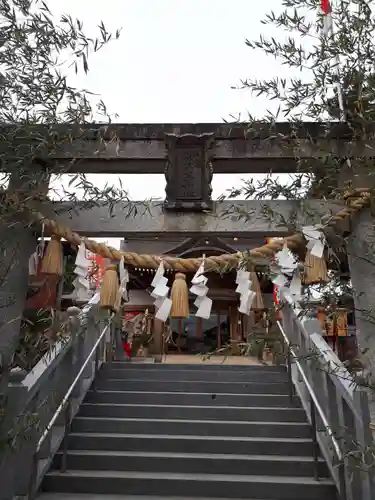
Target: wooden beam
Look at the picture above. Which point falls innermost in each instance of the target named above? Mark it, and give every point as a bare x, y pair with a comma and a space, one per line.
264, 218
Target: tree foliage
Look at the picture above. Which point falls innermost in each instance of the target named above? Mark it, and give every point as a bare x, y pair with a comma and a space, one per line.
44, 117
41, 113
331, 82
318, 65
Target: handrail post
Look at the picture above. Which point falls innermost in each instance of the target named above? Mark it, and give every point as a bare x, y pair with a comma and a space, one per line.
314, 439
78, 336
67, 416
109, 344
96, 367
33, 476
290, 380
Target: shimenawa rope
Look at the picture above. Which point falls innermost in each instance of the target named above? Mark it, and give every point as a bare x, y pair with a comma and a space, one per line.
356, 200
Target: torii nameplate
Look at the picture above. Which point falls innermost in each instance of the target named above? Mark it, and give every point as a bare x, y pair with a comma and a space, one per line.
188, 172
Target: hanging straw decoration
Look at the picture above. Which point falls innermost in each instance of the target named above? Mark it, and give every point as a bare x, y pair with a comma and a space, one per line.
257, 303
52, 262
315, 266
122, 292
109, 290
117, 304
315, 269
180, 297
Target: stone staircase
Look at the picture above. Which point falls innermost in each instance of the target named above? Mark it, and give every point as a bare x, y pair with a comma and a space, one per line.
190, 431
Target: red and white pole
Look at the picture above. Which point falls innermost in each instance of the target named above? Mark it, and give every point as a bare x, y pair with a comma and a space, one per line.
325, 7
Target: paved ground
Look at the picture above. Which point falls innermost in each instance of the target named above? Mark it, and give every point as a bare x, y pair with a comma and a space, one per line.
213, 360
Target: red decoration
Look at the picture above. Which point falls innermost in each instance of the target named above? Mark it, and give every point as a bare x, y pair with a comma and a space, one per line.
127, 349
325, 6
276, 291
97, 269
46, 297
128, 316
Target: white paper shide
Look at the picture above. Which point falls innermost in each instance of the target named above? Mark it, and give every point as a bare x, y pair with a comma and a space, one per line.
82, 290
160, 293
200, 289
247, 295
316, 240
286, 272
124, 280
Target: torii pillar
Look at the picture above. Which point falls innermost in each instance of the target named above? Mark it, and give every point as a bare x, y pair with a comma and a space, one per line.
361, 256
360, 247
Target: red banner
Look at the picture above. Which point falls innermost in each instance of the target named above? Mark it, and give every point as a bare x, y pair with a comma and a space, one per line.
97, 270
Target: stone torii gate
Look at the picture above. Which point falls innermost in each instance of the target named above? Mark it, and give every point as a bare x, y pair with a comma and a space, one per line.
190, 154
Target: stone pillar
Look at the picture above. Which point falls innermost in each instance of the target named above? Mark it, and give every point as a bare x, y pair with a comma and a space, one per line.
16, 246
17, 243
361, 256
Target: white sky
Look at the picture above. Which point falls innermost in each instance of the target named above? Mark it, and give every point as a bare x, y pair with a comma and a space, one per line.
176, 61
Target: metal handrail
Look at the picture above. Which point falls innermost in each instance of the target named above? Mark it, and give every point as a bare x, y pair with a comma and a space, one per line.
65, 403
311, 392
65, 400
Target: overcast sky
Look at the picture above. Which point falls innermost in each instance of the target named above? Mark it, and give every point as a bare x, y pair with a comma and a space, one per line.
176, 61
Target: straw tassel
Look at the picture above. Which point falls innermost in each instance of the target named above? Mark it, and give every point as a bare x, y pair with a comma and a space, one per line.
52, 262
180, 297
117, 304
255, 287
315, 269
109, 289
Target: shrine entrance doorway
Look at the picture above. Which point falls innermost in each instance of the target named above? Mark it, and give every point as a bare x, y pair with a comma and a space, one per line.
199, 336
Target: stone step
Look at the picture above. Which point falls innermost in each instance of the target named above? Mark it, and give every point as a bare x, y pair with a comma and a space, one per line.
88, 496
191, 398
192, 386
189, 432
190, 444
189, 485
217, 375
234, 413
124, 365
191, 427
192, 463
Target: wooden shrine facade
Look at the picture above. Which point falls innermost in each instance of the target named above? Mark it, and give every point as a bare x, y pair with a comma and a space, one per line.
192, 335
